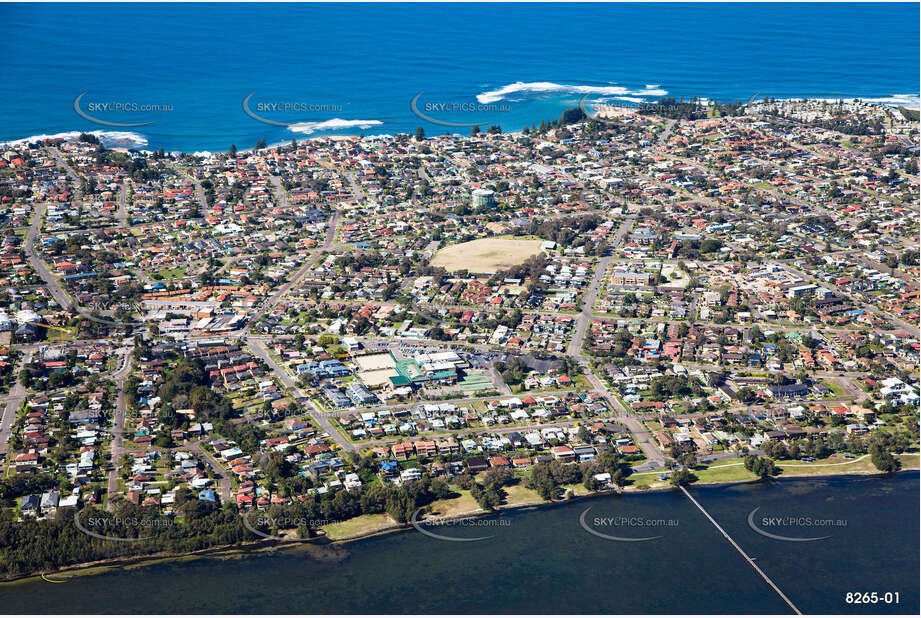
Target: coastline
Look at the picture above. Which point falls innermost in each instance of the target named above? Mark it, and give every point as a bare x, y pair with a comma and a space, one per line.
240, 550
132, 140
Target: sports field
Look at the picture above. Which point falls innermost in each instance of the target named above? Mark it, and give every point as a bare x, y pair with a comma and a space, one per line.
486, 255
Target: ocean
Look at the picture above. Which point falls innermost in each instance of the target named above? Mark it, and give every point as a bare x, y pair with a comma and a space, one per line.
544, 561
185, 70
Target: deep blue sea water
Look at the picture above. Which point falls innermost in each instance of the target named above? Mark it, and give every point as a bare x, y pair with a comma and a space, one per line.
365, 63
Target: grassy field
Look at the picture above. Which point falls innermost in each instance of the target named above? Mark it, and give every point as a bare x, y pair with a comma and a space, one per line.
363, 524
519, 495
455, 506
734, 471
910, 461
60, 335
836, 391
577, 489
644, 483
852, 466
727, 474
486, 255
169, 273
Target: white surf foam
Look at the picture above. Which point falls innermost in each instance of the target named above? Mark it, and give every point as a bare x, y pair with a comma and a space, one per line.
909, 101
109, 139
333, 124
491, 96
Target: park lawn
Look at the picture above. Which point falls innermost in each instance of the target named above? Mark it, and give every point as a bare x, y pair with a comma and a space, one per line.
864, 466
245, 402
580, 382
801, 468
449, 507
578, 489
642, 481
651, 482
486, 255
519, 495
357, 526
169, 273
836, 390
728, 474
59, 336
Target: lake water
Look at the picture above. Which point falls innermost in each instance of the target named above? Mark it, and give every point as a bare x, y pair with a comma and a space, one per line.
543, 561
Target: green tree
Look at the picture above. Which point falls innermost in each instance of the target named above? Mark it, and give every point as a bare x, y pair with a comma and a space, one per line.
883, 459
489, 497
682, 477
572, 115
762, 467
685, 453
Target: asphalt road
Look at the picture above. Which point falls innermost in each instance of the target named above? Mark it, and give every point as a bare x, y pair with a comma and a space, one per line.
118, 419
301, 272
321, 417
591, 293
640, 434
57, 292
122, 213
15, 398
199, 191
224, 485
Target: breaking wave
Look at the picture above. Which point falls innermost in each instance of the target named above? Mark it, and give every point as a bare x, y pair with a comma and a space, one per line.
491, 96
109, 139
333, 124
